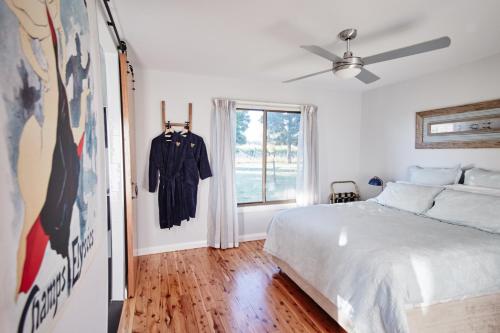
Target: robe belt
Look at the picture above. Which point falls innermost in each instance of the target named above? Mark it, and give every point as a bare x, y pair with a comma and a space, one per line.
169, 185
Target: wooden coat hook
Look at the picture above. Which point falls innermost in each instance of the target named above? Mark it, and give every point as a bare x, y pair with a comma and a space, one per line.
164, 121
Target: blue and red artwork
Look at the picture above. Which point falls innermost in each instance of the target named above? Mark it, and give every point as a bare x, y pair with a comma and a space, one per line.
48, 152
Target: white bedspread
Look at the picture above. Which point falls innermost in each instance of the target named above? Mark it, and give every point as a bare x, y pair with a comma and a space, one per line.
374, 262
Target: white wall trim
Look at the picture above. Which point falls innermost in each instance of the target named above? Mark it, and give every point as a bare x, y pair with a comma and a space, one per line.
253, 237
193, 245
171, 247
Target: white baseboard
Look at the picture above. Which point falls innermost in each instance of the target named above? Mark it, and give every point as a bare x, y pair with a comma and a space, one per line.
193, 245
253, 237
171, 247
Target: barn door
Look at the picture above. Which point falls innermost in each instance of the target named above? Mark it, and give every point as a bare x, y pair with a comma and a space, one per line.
129, 165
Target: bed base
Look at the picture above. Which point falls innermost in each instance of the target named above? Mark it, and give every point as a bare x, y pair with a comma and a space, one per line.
471, 315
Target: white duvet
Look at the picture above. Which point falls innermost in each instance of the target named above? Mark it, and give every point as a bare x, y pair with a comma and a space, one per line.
374, 262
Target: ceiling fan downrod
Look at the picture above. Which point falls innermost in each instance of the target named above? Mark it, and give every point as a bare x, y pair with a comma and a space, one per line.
346, 36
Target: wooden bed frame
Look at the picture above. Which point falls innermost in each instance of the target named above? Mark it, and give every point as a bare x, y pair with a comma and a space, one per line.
471, 315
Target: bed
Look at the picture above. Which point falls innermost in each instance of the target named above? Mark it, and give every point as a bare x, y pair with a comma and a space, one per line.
379, 269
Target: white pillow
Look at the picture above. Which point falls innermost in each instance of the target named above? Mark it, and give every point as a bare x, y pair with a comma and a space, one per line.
474, 189
434, 176
469, 209
481, 177
407, 182
410, 197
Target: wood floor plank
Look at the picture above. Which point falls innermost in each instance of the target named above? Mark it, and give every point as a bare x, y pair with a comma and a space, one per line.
177, 323
154, 296
212, 290
282, 314
286, 296
142, 289
192, 286
164, 312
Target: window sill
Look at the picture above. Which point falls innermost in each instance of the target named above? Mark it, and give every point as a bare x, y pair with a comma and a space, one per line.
266, 207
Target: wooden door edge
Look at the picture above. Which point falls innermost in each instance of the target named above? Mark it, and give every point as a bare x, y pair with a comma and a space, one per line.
131, 267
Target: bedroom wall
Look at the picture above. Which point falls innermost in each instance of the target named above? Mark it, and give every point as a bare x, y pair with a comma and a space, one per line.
388, 121
339, 121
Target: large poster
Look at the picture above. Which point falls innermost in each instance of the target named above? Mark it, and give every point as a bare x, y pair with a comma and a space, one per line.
48, 157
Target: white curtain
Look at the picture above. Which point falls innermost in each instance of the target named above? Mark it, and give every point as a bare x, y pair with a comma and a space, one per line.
307, 168
223, 216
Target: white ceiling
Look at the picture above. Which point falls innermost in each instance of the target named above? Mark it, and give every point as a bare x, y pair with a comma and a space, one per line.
259, 39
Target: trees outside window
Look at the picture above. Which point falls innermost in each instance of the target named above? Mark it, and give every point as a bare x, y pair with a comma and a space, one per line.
266, 156
242, 121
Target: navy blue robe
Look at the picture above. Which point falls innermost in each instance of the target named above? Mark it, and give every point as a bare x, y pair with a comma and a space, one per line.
180, 163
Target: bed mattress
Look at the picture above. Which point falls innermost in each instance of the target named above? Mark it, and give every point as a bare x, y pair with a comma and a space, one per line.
374, 262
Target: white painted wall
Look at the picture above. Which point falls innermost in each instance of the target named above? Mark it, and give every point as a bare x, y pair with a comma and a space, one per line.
339, 125
388, 121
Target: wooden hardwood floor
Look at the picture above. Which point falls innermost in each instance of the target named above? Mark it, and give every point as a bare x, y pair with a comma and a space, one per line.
209, 290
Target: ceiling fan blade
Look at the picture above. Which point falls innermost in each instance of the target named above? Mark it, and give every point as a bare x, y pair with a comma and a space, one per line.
321, 52
366, 76
306, 76
430, 45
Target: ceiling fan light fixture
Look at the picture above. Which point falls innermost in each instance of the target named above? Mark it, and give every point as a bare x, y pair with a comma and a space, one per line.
348, 68
347, 72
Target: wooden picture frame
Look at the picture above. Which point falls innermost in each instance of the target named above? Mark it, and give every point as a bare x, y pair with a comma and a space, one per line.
465, 126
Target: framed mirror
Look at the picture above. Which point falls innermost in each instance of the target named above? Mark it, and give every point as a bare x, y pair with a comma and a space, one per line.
466, 126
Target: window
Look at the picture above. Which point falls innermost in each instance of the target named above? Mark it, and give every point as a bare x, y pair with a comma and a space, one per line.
266, 155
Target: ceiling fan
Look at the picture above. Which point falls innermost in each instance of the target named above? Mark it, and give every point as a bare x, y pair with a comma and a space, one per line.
351, 66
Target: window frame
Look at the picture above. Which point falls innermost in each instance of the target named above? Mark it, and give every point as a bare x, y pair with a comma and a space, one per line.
265, 202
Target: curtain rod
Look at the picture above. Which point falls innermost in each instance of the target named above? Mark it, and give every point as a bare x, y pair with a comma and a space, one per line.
122, 46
